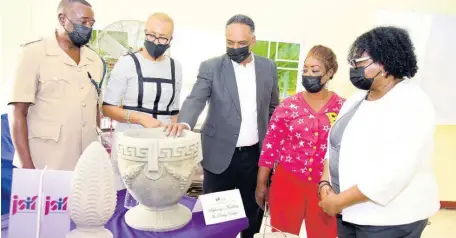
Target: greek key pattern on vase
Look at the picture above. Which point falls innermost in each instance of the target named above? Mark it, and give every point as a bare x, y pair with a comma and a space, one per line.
132, 151
179, 153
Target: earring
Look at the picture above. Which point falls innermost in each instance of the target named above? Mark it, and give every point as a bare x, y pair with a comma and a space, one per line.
383, 74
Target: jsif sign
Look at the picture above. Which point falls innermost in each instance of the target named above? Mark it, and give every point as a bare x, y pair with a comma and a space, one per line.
39, 204
29, 204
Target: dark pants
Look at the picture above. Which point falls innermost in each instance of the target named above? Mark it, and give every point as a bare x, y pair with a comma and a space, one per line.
241, 174
349, 230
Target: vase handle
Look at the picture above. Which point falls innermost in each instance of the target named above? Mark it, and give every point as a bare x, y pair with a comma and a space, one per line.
152, 156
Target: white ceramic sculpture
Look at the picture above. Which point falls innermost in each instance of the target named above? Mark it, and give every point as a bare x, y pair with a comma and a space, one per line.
157, 170
93, 196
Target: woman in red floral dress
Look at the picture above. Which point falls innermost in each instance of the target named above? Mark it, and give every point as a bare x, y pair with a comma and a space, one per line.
296, 144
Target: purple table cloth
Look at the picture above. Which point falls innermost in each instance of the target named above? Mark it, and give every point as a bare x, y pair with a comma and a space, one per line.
195, 228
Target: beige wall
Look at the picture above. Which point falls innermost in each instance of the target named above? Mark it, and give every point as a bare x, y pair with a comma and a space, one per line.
15, 27
445, 162
334, 23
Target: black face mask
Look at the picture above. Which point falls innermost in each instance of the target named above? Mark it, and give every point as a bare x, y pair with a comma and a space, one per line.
312, 84
359, 80
80, 35
238, 55
155, 50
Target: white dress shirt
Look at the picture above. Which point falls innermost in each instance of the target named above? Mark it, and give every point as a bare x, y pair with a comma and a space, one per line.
246, 85
387, 151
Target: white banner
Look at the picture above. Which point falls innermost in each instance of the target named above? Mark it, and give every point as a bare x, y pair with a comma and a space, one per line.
35, 189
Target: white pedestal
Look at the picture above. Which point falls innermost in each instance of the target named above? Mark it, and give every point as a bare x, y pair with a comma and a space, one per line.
146, 219
94, 232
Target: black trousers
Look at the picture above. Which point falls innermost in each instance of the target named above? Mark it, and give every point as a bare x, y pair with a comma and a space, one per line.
349, 230
241, 174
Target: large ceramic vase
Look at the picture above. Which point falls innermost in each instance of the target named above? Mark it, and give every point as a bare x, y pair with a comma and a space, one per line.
157, 171
92, 198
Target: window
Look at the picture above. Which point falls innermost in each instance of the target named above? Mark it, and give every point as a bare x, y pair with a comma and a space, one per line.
286, 56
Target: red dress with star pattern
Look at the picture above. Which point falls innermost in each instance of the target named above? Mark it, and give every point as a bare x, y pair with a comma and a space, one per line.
297, 142
297, 136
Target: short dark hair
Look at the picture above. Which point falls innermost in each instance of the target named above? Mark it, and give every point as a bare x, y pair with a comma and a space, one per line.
389, 46
64, 3
242, 19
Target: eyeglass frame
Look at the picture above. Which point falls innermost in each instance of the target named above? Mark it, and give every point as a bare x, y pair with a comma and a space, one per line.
151, 37
355, 62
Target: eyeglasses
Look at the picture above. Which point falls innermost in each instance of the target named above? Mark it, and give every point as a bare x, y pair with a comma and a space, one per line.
355, 62
160, 40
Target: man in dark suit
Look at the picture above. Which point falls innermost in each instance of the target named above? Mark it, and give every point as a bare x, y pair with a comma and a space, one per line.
242, 91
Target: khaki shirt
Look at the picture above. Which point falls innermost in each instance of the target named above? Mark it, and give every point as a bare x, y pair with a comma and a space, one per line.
62, 115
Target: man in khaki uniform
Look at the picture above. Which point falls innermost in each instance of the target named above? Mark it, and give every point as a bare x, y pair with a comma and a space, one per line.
54, 102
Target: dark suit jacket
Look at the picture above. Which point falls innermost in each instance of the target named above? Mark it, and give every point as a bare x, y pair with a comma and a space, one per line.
216, 84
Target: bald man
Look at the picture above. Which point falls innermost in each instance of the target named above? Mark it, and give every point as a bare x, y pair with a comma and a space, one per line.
144, 87
53, 105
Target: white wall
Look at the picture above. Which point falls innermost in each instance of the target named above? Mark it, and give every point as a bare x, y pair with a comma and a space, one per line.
15, 28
